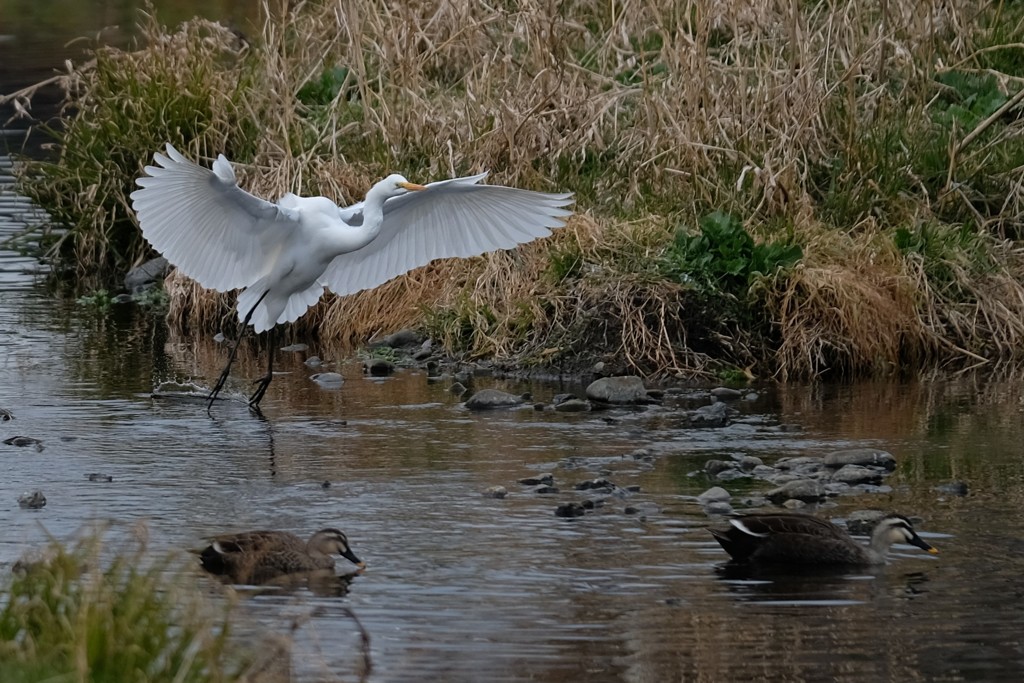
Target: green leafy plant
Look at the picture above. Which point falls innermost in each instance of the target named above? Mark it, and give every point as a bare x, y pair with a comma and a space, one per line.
725, 257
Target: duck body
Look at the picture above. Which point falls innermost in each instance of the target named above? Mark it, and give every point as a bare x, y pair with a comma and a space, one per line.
255, 557
794, 539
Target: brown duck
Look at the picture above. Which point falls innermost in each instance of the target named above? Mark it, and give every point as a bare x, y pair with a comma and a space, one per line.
804, 540
255, 557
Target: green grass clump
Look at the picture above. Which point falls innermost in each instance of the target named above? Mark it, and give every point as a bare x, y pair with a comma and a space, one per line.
80, 614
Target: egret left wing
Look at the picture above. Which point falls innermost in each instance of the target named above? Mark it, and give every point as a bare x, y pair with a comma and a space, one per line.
450, 218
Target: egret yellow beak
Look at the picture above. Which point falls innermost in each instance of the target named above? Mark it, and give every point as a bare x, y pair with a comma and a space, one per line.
412, 186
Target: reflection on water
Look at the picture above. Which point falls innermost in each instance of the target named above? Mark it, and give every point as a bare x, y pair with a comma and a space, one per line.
461, 587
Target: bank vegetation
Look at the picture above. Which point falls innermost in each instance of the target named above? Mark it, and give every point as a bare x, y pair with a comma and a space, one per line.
789, 188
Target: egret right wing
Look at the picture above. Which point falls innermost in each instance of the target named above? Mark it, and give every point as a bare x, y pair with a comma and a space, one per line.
209, 228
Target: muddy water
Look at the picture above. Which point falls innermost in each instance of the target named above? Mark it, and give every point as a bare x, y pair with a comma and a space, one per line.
461, 587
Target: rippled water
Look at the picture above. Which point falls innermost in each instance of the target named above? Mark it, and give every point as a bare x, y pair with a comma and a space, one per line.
461, 587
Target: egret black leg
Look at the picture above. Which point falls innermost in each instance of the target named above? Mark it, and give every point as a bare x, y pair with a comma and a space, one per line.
264, 381
234, 350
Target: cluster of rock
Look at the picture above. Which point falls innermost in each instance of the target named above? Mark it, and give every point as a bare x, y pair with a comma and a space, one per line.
803, 479
597, 492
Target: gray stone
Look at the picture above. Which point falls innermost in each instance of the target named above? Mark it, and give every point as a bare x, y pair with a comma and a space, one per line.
621, 390
713, 494
546, 479
764, 471
749, 463
857, 474
726, 393
98, 476
495, 492
794, 504
807, 490
489, 399
860, 456
713, 415
294, 348
313, 362
5, 415
141, 278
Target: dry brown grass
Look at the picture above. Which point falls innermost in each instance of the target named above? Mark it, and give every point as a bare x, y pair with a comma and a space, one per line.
654, 113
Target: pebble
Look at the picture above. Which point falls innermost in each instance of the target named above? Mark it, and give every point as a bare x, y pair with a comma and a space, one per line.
313, 362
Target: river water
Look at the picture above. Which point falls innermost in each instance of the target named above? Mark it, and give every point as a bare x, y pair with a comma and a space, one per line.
462, 587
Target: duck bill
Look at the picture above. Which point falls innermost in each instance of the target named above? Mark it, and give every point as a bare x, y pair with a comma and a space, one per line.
412, 186
351, 557
920, 543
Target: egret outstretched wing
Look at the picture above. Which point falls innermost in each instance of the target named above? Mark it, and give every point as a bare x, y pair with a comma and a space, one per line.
457, 217
212, 230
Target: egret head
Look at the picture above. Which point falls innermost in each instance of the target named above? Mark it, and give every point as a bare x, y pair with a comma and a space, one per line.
395, 185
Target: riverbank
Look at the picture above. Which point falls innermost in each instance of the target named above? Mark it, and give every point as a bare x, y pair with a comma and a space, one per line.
834, 190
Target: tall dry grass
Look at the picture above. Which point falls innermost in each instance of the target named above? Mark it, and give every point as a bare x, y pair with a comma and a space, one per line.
828, 123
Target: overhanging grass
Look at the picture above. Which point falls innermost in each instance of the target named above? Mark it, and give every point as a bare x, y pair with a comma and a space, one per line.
86, 614
836, 130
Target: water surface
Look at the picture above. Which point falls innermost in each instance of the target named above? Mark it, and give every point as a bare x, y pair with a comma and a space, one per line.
461, 587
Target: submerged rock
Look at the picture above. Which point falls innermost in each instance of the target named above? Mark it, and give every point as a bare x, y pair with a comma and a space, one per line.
380, 367
573, 405
489, 399
807, 490
861, 456
24, 441
98, 476
570, 510
328, 380
623, 390
32, 501
5, 415
141, 278
857, 474
713, 415
545, 479
726, 393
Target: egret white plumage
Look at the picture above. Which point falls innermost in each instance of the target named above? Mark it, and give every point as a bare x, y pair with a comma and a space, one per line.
283, 255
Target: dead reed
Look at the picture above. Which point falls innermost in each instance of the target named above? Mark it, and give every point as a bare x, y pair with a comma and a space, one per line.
856, 131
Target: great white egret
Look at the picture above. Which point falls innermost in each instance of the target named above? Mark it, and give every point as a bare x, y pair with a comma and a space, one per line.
283, 255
